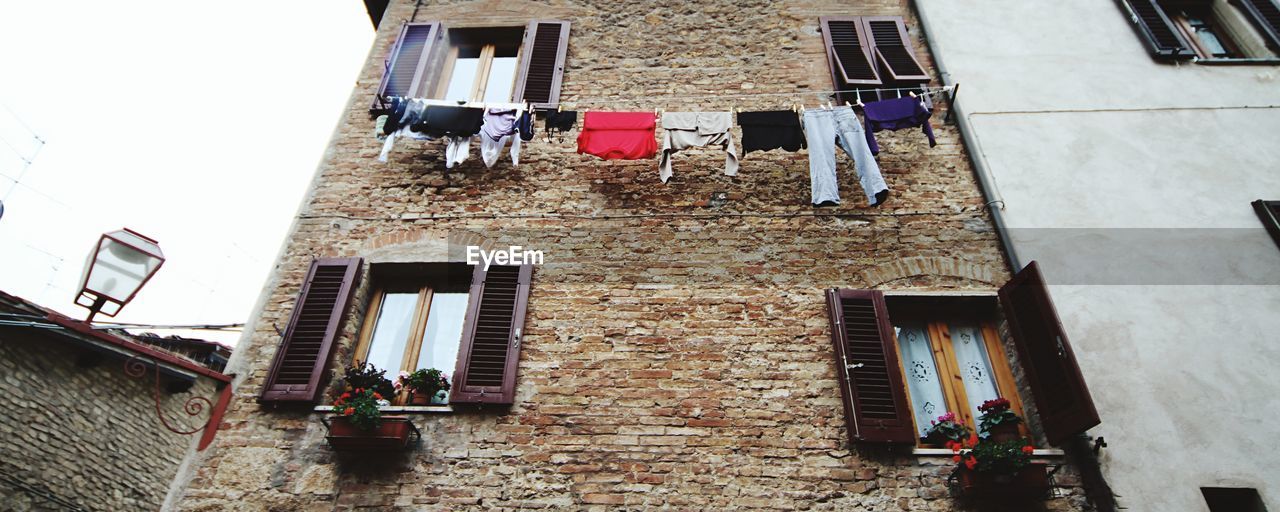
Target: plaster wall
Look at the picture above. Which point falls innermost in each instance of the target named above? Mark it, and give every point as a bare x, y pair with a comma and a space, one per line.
1130, 181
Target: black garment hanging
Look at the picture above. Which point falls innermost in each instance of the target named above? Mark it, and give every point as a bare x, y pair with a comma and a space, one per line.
448, 121
560, 121
770, 129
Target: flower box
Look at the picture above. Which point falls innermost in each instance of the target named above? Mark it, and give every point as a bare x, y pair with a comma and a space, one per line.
393, 434
1032, 482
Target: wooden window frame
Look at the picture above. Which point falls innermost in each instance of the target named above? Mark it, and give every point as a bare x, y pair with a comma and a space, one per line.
417, 331
481, 80
1180, 22
949, 372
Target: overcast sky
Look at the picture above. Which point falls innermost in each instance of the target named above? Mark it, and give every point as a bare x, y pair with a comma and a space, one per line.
198, 124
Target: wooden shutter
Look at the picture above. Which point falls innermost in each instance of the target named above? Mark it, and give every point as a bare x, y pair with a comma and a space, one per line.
542, 59
848, 52
1266, 16
875, 399
302, 361
1269, 213
893, 48
491, 335
1163, 40
1063, 400
404, 73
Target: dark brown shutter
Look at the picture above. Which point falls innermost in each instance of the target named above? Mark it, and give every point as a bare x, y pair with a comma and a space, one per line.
302, 361
491, 335
546, 43
404, 72
848, 52
1269, 213
1163, 40
1063, 400
875, 399
893, 49
1266, 16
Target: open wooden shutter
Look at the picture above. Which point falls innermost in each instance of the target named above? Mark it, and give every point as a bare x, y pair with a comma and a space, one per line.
546, 42
1266, 16
404, 73
1063, 400
302, 361
893, 49
1269, 213
1163, 40
486, 372
848, 52
875, 399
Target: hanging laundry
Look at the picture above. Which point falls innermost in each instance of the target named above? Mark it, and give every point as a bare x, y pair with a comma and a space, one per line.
618, 135
560, 122
896, 114
405, 114
448, 121
525, 126
824, 129
500, 126
683, 130
770, 129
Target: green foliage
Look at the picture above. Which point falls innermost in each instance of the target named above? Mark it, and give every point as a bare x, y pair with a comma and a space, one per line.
367, 376
946, 428
995, 412
360, 407
425, 382
1003, 457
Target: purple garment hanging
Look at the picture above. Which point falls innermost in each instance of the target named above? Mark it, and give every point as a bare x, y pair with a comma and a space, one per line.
499, 123
896, 114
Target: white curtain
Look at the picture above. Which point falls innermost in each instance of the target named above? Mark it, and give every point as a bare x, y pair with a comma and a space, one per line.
927, 402
975, 366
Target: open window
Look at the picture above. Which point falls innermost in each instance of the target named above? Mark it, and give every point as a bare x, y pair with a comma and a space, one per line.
869, 52
490, 64
1207, 30
868, 334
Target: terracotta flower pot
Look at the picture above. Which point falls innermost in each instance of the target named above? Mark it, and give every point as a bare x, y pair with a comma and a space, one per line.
1004, 432
1032, 482
393, 434
423, 398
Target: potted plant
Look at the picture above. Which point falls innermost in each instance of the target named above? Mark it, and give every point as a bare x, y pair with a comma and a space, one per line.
946, 430
998, 468
358, 424
423, 385
997, 421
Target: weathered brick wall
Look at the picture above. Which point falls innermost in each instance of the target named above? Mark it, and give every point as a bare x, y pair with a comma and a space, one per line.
88, 436
676, 354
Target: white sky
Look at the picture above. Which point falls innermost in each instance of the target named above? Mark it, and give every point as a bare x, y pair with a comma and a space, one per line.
198, 124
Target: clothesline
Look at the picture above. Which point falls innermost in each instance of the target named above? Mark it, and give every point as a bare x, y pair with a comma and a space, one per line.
928, 90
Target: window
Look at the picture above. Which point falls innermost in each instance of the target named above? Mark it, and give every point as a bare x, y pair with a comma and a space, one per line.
420, 315
952, 358
877, 405
415, 318
866, 52
1233, 499
1207, 29
492, 64
1269, 213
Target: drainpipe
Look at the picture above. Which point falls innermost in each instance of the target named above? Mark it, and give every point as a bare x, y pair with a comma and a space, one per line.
1084, 457
979, 161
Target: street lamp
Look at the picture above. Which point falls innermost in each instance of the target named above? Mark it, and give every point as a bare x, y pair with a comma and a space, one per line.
117, 268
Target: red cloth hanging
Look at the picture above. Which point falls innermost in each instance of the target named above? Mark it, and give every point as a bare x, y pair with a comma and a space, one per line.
618, 135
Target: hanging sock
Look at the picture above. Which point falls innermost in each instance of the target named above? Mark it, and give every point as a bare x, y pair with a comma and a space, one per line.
683, 130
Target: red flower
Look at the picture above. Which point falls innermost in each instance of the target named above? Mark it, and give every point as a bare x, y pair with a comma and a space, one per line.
349, 411
339, 403
1027, 449
973, 439
970, 462
346, 396
359, 390
956, 458
954, 446
376, 396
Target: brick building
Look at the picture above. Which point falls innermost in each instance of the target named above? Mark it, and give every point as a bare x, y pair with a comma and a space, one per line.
80, 429
675, 347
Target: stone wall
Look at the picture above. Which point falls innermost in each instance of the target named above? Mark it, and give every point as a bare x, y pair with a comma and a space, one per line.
676, 350
87, 436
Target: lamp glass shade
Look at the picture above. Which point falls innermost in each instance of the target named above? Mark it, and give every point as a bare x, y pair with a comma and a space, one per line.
121, 263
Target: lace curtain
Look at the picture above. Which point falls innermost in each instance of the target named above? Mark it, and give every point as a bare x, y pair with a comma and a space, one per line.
975, 366
927, 402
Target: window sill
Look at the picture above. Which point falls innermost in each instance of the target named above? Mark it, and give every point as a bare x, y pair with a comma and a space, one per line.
1237, 62
944, 452
399, 409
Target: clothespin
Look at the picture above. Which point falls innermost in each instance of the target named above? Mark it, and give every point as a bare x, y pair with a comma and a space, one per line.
912, 93
847, 104
899, 91
857, 97
656, 114
559, 107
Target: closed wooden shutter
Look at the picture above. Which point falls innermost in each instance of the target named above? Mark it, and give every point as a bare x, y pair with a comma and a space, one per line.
875, 399
1063, 400
848, 52
302, 361
1163, 40
1269, 213
405, 72
546, 44
1266, 15
490, 350
893, 49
